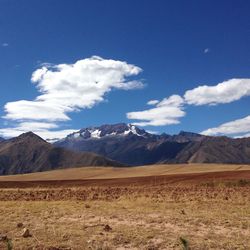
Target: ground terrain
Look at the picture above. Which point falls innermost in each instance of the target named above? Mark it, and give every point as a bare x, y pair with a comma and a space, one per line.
153, 207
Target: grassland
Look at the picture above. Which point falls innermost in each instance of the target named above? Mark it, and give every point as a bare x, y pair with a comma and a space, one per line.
200, 207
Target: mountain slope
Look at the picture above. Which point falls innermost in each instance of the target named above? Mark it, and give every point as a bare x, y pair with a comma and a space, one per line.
134, 146
216, 150
30, 153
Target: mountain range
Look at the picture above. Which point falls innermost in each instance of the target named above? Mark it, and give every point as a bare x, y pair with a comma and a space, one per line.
131, 145
117, 145
29, 153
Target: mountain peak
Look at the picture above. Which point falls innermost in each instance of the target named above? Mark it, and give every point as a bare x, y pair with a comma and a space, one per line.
119, 129
29, 135
30, 153
185, 133
184, 136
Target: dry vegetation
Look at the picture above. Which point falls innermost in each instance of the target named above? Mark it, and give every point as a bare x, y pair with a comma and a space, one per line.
111, 172
201, 211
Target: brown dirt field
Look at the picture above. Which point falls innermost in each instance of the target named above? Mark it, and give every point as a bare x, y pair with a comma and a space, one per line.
111, 173
144, 180
208, 210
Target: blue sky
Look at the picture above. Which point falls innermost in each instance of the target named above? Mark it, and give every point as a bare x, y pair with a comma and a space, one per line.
178, 45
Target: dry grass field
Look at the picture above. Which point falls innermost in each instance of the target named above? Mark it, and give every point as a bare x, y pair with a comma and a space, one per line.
110, 172
154, 207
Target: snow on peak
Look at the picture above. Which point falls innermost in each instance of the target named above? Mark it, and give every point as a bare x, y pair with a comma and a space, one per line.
95, 133
76, 134
131, 129
120, 129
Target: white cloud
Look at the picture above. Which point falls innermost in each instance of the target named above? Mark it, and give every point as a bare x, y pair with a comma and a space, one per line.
36, 110
169, 110
242, 136
153, 132
240, 126
28, 126
166, 112
225, 92
152, 102
66, 88
5, 44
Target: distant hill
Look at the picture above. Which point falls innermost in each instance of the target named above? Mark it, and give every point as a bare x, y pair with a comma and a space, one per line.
131, 145
30, 153
1, 139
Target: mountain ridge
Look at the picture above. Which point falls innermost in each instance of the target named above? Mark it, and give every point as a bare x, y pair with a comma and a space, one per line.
131, 145
118, 145
108, 130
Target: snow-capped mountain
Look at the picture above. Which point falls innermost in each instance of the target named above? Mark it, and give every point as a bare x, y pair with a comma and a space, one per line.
120, 129
131, 145
123, 142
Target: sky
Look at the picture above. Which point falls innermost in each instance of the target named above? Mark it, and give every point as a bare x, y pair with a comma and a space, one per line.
164, 66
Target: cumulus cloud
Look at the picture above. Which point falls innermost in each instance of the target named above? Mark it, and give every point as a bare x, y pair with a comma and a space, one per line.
166, 112
67, 88
237, 127
225, 92
36, 110
170, 110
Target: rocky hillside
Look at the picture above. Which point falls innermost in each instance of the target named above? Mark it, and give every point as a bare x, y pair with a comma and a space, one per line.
216, 150
30, 153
